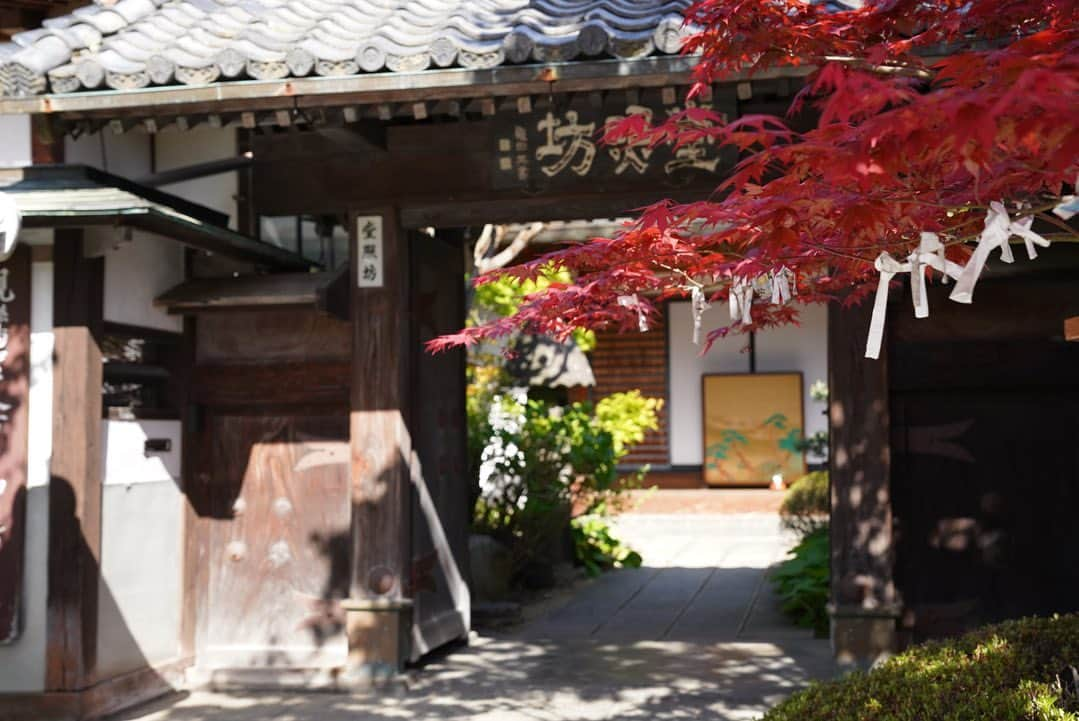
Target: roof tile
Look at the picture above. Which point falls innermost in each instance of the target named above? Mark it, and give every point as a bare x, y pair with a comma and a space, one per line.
130, 43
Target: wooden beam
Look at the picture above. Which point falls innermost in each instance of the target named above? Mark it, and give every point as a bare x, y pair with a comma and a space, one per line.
75, 470
381, 447
1071, 329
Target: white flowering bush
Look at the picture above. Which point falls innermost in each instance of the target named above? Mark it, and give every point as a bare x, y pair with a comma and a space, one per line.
539, 462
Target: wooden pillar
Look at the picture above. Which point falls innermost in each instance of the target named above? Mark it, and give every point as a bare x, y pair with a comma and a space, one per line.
379, 608
863, 596
75, 471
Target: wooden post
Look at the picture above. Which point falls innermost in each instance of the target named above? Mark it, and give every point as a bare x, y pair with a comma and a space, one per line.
863, 597
75, 471
378, 610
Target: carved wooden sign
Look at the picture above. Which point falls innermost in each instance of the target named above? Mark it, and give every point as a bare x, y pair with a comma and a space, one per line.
14, 432
560, 146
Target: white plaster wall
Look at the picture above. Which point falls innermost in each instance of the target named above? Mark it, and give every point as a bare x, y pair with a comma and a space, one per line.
136, 272
175, 149
803, 348
15, 141
126, 155
22, 663
141, 548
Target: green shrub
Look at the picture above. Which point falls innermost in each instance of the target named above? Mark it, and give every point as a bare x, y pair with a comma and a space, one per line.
1006, 672
537, 462
627, 417
597, 549
806, 504
802, 581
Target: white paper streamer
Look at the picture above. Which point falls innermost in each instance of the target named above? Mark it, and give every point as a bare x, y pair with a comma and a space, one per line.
740, 301
1021, 228
699, 305
998, 229
783, 286
632, 301
1069, 204
930, 252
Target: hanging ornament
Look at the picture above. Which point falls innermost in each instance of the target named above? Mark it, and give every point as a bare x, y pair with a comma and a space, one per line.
783, 286
929, 253
698, 304
632, 301
740, 300
999, 228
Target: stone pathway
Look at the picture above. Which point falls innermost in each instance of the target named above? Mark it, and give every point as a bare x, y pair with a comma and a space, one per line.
696, 634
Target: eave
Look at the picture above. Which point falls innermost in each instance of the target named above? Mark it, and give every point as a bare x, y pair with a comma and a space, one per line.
378, 88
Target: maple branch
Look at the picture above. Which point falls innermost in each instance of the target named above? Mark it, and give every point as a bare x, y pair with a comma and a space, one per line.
862, 64
1050, 218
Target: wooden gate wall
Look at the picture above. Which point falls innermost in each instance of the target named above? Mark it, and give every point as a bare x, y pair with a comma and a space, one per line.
985, 468
268, 534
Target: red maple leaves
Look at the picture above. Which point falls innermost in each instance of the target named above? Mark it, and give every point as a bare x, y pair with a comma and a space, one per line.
927, 112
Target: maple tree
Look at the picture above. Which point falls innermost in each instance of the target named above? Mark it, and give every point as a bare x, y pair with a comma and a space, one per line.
944, 127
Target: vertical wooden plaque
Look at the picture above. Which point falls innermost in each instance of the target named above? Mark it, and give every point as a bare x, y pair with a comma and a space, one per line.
14, 432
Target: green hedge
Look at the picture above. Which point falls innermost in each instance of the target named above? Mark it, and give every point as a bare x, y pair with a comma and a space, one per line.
806, 504
1007, 672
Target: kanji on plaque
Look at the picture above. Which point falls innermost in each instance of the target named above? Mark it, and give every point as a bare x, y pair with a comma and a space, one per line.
369, 251
569, 144
561, 147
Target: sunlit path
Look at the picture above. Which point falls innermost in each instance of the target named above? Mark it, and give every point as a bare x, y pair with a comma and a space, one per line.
694, 634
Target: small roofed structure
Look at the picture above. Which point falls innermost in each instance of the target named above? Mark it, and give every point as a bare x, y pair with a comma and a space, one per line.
59, 196
542, 361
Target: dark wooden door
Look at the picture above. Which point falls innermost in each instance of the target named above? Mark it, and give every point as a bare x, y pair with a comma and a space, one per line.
440, 492
277, 542
985, 454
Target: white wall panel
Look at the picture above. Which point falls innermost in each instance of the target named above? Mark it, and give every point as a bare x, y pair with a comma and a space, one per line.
16, 147
204, 143
125, 155
803, 348
137, 271
126, 461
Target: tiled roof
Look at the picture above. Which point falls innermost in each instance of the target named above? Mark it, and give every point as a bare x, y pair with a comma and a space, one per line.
127, 44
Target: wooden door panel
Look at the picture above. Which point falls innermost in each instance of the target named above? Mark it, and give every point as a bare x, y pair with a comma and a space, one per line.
440, 493
278, 542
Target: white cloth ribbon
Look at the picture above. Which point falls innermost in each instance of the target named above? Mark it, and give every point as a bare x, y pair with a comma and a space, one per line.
930, 252
10, 223
999, 228
740, 301
699, 305
632, 301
